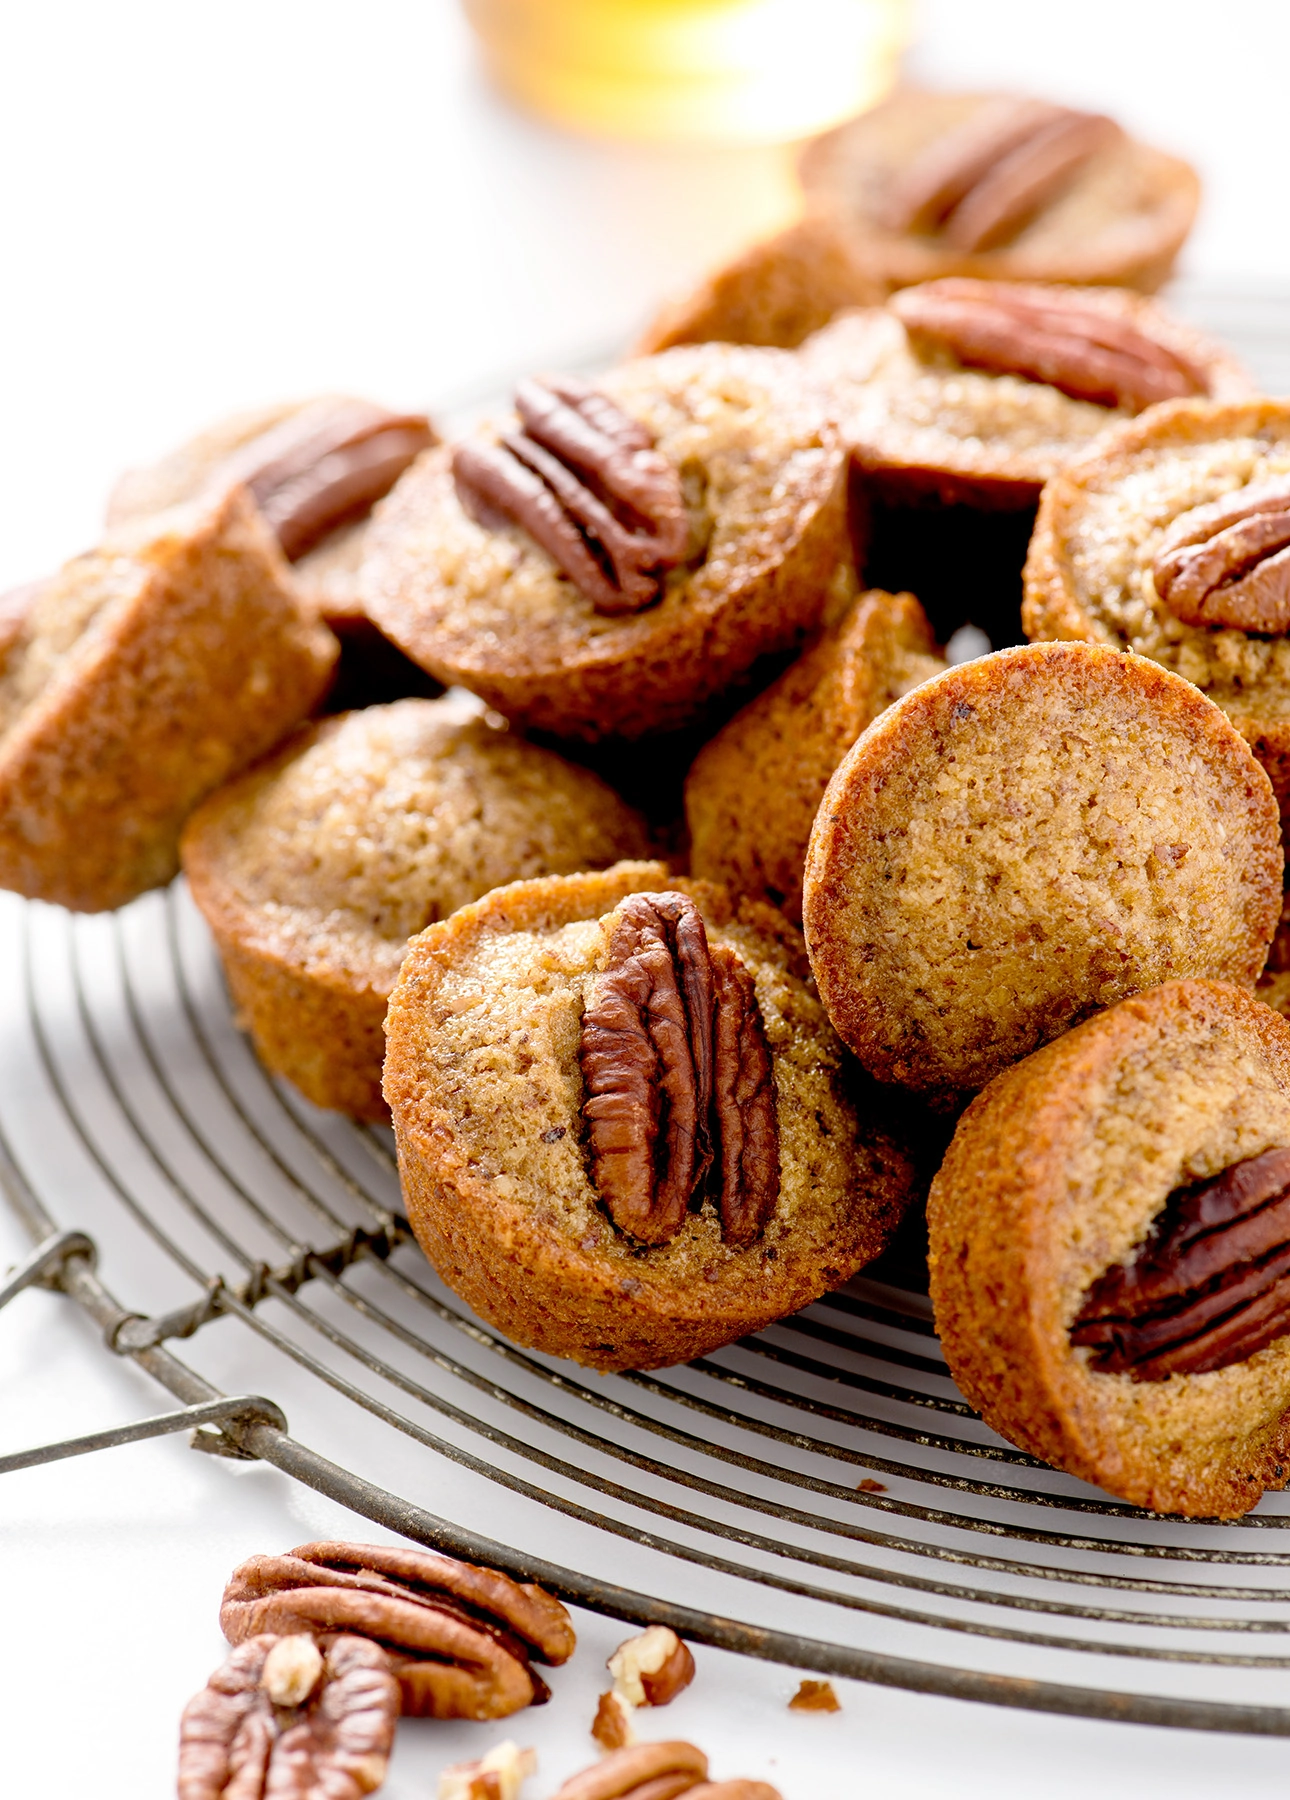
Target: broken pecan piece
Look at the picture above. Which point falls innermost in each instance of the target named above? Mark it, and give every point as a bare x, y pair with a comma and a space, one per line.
652, 1668
584, 480
460, 1637
1046, 334
325, 465
498, 1775
658, 1772
680, 1088
1228, 562
259, 1732
1209, 1287
981, 182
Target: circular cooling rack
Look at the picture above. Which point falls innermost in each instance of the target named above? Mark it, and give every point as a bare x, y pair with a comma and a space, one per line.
818, 1495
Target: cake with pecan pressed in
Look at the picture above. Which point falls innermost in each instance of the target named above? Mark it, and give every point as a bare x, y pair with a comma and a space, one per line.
978, 392
315, 868
1003, 187
1110, 1251
1172, 538
135, 681
1023, 840
625, 1130
612, 558
753, 791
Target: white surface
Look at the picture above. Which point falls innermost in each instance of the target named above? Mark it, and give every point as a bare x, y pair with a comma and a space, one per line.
204, 207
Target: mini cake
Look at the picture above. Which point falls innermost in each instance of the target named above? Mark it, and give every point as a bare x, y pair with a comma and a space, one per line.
315, 468
132, 683
1003, 187
1110, 1251
624, 1131
777, 292
753, 792
1023, 840
314, 869
610, 560
1172, 538
978, 392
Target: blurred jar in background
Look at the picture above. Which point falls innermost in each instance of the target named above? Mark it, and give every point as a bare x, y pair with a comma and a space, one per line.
734, 71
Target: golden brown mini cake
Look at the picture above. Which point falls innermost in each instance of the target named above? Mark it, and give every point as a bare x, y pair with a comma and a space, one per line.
777, 292
139, 678
315, 467
610, 560
1110, 1251
1003, 187
1023, 840
314, 869
624, 1131
1172, 538
978, 392
754, 790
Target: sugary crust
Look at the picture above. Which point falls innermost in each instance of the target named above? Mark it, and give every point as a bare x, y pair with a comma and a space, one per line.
315, 868
777, 292
763, 470
1100, 524
753, 791
1025, 839
1120, 223
1054, 1175
145, 674
923, 426
503, 1206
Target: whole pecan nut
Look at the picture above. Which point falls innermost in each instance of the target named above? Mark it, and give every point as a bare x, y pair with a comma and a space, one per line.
1228, 562
1046, 334
680, 1094
461, 1638
584, 480
1209, 1287
658, 1772
280, 1721
325, 465
979, 183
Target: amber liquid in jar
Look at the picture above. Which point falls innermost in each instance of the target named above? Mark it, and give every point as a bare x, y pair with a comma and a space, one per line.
717, 70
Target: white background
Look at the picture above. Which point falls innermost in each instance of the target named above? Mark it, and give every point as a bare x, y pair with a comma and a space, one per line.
206, 206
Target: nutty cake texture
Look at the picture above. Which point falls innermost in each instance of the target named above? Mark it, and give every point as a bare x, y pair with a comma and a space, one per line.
133, 682
753, 792
1110, 1251
1025, 839
507, 1111
456, 578
314, 869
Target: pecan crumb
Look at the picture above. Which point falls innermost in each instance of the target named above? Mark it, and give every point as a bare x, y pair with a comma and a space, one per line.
870, 1486
653, 1668
815, 1696
612, 1726
497, 1776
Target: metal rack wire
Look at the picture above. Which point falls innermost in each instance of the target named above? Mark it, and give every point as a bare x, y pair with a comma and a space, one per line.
819, 1495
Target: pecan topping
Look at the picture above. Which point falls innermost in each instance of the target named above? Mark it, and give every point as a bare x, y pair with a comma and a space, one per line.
460, 1637
257, 1730
586, 483
658, 1772
325, 465
680, 1088
978, 184
1046, 334
653, 1668
1228, 563
1209, 1287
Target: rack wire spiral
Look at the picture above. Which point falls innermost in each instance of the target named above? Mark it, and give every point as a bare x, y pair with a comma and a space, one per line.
818, 1495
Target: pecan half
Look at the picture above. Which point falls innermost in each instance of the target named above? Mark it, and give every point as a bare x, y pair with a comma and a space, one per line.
258, 1732
325, 465
584, 480
658, 1772
1209, 1287
981, 182
652, 1668
680, 1089
1228, 563
1045, 334
460, 1637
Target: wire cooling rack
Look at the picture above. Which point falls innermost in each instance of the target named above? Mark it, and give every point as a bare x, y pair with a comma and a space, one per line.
819, 1495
